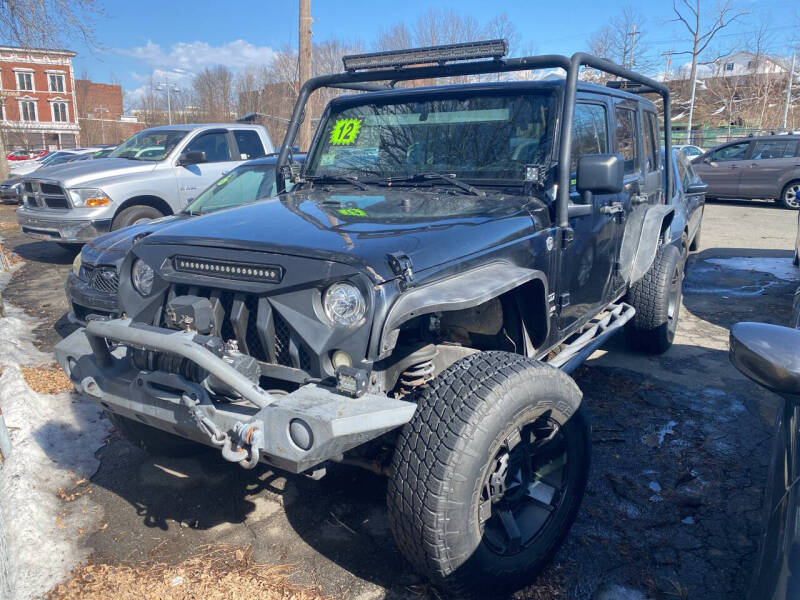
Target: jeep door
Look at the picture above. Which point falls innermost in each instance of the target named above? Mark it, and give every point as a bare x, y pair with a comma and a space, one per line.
218, 145
721, 169
587, 263
770, 160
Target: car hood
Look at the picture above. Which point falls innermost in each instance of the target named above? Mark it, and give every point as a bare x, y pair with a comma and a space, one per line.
23, 169
89, 171
362, 228
110, 248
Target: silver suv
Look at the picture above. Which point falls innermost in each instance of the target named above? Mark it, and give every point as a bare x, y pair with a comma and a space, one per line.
154, 173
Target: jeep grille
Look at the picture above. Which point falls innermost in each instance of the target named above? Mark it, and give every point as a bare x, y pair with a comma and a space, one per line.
102, 279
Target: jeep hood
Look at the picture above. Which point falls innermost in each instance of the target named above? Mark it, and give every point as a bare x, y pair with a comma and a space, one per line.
110, 248
92, 172
362, 228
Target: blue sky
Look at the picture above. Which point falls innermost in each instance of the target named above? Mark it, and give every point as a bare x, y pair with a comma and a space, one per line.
147, 36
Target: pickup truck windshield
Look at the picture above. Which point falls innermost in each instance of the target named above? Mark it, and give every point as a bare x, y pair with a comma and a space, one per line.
149, 145
479, 137
243, 185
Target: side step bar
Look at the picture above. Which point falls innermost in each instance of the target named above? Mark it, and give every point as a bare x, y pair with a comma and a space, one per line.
592, 336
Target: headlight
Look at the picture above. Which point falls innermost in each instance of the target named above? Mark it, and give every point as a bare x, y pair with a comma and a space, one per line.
344, 304
76, 264
89, 197
142, 277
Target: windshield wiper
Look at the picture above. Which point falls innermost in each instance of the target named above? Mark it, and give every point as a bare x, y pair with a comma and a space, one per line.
338, 179
449, 178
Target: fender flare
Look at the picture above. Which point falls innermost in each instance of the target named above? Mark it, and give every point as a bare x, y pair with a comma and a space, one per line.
465, 290
649, 239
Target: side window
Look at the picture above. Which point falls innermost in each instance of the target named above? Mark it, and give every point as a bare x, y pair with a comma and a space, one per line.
774, 149
215, 145
249, 144
589, 132
627, 139
684, 170
650, 146
734, 152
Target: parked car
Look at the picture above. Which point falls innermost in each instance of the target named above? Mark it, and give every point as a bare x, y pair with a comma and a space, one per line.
77, 202
689, 203
50, 160
758, 167
19, 155
91, 286
415, 304
690, 151
9, 191
770, 356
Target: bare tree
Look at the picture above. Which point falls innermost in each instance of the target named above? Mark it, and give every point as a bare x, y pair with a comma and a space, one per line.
397, 37
702, 29
621, 40
214, 89
44, 23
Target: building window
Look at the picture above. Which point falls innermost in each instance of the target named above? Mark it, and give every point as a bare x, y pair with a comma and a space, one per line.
27, 110
56, 82
60, 112
25, 81
729, 66
2, 112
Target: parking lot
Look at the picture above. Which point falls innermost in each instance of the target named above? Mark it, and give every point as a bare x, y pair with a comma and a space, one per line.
681, 445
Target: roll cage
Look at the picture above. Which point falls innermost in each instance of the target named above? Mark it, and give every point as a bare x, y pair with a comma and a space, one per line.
378, 67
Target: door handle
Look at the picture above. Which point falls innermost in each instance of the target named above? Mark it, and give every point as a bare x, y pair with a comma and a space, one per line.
611, 209
734, 166
638, 199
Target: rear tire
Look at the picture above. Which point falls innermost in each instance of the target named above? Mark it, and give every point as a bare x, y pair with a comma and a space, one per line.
657, 300
152, 440
790, 196
488, 475
133, 215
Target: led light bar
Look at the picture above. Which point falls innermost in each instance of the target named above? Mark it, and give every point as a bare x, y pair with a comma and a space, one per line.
228, 269
427, 55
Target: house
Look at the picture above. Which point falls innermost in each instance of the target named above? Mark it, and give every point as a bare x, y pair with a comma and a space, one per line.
37, 99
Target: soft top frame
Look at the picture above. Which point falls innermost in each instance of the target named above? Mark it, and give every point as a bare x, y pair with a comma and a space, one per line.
572, 65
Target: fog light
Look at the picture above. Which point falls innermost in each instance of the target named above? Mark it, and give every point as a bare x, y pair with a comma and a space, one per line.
341, 358
301, 434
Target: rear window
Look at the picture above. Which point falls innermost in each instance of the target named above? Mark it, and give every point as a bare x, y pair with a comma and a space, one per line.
249, 143
650, 141
774, 149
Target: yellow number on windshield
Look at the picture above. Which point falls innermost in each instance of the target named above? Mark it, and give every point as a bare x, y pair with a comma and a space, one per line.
345, 132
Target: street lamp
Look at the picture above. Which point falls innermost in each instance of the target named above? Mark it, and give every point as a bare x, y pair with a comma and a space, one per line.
169, 87
101, 109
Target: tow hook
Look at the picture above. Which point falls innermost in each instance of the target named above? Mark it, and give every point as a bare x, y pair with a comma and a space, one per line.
243, 446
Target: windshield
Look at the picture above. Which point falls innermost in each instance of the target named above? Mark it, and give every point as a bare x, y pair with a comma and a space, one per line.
53, 157
149, 145
243, 185
480, 137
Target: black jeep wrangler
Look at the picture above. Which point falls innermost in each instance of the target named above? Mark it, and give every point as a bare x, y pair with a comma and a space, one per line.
446, 257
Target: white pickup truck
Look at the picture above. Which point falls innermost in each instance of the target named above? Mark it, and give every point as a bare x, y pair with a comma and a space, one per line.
152, 174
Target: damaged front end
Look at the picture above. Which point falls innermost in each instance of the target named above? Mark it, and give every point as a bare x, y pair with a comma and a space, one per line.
202, 389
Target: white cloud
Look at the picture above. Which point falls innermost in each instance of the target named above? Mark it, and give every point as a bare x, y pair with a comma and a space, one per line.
193, 56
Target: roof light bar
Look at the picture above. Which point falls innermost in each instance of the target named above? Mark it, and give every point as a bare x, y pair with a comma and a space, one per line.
427, 55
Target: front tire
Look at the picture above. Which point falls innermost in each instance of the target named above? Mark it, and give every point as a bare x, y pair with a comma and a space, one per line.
488, 476
134, 215
657, 300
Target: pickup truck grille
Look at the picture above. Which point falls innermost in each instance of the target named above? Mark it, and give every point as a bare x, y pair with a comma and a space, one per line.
40, 194
102, 279
257, 328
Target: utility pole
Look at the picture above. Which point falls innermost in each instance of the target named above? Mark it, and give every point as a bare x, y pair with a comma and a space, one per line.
304, 59
668, 54
633, 45
169, 87
102, 110
789, 92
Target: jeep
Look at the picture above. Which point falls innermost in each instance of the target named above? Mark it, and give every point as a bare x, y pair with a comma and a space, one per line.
446, 257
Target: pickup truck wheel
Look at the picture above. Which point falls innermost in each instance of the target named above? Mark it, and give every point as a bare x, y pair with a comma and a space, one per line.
790, 196
488, 475
152, 440
133, 215
657, 300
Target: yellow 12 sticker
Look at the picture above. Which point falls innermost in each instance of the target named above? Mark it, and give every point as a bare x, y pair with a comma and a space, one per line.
345, 132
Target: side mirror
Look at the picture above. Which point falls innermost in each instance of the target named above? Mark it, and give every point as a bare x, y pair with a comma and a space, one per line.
192, 158
696, 188
599, 174
768, 354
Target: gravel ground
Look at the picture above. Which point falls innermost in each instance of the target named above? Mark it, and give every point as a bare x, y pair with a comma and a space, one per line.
673, 507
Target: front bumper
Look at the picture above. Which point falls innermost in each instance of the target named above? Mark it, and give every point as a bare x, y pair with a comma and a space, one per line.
61, 226
85, 300
328, 423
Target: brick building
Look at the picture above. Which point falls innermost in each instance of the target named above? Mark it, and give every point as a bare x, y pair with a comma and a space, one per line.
37, 99
100, 113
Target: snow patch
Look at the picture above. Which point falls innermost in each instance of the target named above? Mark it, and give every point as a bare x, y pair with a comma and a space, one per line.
53, 438
665, 431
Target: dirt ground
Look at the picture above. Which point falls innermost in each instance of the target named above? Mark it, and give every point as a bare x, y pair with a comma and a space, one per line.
681, 444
